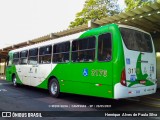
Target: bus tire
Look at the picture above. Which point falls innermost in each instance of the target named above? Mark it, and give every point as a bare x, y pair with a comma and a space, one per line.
54, 88
14, 81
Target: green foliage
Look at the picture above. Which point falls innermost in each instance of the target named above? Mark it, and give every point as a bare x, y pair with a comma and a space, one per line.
131, 4
95, 9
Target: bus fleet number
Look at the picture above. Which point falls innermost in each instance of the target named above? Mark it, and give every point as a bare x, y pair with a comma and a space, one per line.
133, 70
99, 72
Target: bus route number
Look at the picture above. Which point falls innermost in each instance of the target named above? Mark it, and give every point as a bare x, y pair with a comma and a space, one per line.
97, 72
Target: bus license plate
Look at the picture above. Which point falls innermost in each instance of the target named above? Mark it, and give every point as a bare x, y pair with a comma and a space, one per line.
137, 91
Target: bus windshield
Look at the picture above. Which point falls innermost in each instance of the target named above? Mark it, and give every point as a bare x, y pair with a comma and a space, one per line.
136, 40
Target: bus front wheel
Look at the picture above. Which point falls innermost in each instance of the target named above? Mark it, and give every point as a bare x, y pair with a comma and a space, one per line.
54, 88
14, 80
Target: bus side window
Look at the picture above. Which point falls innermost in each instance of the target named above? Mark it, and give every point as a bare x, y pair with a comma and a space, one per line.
45, 54
23, 57
33, 56
104, 47
83, 50
16, 58
61, 52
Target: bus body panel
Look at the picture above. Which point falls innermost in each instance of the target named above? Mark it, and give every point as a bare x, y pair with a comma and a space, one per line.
79, 77
118, 55
39, 73
96, 78
140, 65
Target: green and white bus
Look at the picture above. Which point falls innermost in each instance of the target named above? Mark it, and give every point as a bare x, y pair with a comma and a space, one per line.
112, 61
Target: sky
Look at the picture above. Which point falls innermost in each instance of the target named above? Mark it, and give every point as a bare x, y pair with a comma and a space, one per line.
23, 20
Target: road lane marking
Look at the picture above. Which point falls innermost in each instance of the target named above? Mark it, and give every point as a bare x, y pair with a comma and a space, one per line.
5, 83
149, 104
157, 99
139, 101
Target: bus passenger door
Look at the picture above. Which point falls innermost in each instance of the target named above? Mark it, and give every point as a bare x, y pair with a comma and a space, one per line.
24, 67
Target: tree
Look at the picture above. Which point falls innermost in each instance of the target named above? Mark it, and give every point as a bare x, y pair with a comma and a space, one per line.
131, 4
95, 9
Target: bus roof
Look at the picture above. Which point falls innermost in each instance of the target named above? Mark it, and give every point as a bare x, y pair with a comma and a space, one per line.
91, 32
62, 39
66, 38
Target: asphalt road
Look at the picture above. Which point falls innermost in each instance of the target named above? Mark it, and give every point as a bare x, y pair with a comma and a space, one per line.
26, 99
